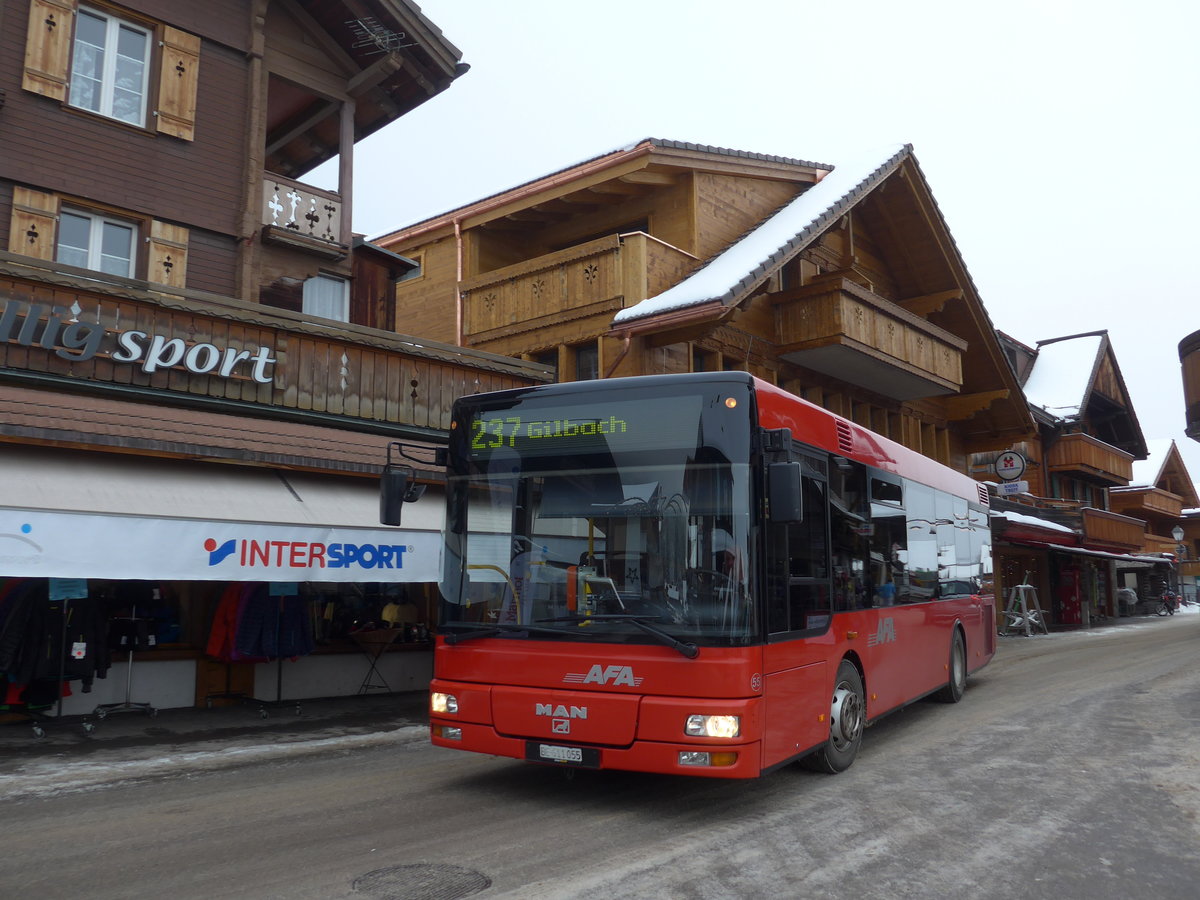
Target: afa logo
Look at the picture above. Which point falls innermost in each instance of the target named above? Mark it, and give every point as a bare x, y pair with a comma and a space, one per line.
885, 633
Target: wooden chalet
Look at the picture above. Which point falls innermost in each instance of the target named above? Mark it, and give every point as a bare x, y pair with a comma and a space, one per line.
841, 284
197, 354
1093, 517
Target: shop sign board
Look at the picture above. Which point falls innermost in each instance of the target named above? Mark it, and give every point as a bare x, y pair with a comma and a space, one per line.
57, 328
1008, 488
87, 545
1010, 465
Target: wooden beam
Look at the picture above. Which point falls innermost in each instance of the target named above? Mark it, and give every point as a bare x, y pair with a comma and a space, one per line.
646, 177
614, 187
964, 406
930, 303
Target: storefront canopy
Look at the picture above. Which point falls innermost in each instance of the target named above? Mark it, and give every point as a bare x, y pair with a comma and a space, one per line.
1126, 560
69, 514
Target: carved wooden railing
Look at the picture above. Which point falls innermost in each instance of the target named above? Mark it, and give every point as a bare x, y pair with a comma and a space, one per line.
300, 209
606, 274
840, 323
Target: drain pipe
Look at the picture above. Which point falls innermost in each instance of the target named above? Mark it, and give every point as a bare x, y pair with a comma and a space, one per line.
628, 340
458, 277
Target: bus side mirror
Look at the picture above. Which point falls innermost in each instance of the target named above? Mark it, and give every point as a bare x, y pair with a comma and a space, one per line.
396, 488
785, 501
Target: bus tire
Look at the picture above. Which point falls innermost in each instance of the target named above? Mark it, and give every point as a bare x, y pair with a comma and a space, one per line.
956, 686
847, 719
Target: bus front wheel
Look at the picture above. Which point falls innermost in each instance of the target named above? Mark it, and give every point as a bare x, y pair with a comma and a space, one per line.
847, 719
957, 683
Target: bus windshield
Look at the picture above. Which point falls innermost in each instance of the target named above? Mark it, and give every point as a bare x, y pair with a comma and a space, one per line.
618, 515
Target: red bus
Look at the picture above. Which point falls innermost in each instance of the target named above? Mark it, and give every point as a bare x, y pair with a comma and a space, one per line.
696, 574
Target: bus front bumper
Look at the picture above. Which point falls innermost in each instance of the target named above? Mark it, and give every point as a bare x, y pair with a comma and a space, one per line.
703, 760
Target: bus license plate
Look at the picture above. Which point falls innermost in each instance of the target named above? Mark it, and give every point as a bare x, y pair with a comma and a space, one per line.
578, 756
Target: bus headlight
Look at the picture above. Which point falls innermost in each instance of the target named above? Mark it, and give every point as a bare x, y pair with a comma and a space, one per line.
713, 726
443, 703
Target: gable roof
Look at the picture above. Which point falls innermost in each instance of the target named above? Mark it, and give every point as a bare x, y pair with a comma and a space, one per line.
730, 274
1063, 384
1164, 468
1062, 374
609, 158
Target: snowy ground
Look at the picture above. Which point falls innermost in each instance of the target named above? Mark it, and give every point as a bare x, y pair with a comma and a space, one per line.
58, 773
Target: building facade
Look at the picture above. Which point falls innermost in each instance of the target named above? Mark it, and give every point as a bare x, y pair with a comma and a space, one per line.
201, 366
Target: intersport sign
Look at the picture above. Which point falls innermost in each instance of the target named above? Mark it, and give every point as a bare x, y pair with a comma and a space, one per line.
35, 543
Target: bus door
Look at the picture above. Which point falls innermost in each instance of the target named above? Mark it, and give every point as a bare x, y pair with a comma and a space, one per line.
798, 612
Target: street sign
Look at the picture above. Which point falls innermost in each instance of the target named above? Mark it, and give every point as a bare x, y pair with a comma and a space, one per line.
1009, 488
1010, 465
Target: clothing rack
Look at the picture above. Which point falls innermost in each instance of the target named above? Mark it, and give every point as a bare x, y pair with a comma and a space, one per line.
105, 709
38, 726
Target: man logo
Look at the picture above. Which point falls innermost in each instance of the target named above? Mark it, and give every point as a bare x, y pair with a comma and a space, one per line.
559, 711
561, 726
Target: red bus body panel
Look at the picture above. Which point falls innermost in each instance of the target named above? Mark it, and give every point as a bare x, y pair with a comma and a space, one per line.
631, 701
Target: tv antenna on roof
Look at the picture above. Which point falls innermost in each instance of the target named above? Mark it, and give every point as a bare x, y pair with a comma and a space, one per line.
371, 34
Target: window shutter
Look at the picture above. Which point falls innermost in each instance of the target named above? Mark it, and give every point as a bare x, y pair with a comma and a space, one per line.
33, 216
179, 74
168, 254
48, 47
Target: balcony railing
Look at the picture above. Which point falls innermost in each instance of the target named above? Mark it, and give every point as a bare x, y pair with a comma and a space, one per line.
1152, 502
1110, 530
600, 276
1084, 455
301, 213
842, 329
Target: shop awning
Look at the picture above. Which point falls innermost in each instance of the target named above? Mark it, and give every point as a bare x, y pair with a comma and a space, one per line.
1129, 560
74, 514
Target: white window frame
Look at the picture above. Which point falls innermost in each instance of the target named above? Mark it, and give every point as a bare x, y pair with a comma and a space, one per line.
319, 299
95, 247
108, 75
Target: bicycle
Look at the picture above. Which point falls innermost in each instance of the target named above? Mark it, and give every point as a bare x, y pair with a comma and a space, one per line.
1166, 605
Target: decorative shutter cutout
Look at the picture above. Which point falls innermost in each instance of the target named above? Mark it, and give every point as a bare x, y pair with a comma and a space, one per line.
34, 215
984, 497
178, 77
48, 47
168, 254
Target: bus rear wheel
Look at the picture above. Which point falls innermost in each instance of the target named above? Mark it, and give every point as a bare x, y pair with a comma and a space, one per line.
847, 719
956, 686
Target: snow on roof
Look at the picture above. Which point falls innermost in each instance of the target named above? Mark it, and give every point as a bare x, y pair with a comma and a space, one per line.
1031, 520
1061, 374
1146, 472
728, 269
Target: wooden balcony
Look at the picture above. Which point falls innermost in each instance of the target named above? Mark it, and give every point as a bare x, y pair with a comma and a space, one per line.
1090, 458
1146, 503
1157, 543
601, 276
1189, 359
1190, 567
300, 215
844, 330
1108, 530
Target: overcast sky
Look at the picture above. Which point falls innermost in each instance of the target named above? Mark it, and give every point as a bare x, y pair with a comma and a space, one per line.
1059, 137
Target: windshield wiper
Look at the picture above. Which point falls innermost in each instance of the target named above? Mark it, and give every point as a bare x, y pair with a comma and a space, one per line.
687, 648
482, 630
